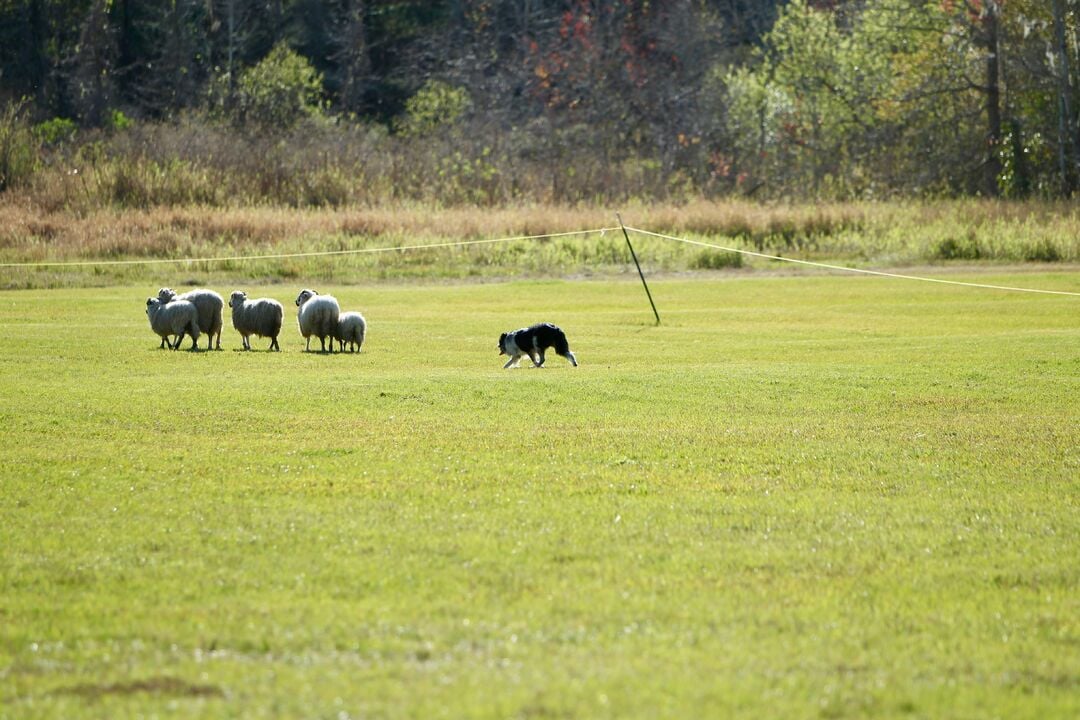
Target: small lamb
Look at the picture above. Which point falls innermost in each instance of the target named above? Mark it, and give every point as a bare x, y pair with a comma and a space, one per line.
209, 305
260, 317
174, 318
351, 329
318, 316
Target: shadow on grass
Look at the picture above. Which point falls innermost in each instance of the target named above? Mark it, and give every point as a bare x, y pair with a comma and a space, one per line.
153, 686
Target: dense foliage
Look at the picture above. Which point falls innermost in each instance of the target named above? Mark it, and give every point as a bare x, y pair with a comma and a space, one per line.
487, 101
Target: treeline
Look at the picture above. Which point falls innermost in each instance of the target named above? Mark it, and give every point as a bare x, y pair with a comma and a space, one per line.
334, 102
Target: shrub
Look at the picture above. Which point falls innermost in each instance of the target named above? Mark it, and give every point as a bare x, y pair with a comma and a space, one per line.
1042, 251
716, 260
278, 92
19, 148
118, 121
435, 105
56, 131
957, 249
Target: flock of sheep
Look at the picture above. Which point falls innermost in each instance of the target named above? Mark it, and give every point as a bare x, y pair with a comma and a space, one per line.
200, 312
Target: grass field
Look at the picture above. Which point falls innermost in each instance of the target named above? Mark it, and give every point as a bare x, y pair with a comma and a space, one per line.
798, 497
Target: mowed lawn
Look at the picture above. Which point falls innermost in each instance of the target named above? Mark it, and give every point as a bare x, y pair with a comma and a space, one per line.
798, 497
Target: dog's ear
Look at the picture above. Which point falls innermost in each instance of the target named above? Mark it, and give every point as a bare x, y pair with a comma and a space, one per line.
502, 343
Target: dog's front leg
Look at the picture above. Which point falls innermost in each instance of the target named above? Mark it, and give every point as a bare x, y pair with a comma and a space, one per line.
513, 359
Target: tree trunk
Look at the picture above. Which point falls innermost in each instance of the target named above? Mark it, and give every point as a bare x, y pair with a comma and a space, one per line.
352, 55
94, 63
993, 97
1068, 147
230, 67
37, 63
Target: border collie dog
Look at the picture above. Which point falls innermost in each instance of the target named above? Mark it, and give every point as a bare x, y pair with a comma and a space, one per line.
533, 341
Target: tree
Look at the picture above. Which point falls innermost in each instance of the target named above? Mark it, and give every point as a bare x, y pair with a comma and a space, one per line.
168, 60
334, 36
866, 98
92, 82
279, 91
1068, 134
228, 39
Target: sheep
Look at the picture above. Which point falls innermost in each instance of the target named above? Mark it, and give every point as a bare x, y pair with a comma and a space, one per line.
174, 318
351, 329
318, 316
209, 305
260, 317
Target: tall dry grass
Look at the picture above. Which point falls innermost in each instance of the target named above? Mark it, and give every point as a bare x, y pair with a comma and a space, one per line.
870, 234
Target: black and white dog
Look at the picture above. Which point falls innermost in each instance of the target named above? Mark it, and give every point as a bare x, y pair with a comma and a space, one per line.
533, 341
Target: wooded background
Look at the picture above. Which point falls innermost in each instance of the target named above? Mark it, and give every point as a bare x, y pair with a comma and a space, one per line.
330, 102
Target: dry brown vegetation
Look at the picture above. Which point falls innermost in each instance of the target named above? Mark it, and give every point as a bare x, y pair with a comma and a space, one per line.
877, 234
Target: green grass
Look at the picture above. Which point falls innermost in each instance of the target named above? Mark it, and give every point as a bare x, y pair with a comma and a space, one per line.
797, 497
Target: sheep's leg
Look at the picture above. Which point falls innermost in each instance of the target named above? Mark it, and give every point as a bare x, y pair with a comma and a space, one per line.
179, 339
161, 345
307, 348
274, 344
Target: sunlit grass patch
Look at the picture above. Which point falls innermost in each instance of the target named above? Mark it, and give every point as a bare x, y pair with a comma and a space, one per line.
800, 496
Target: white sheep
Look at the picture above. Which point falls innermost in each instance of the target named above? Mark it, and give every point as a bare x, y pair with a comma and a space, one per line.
261, 317
174, 318
208, 303
351, 329
318, 316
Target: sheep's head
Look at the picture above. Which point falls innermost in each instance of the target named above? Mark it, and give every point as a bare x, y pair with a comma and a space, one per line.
237, 298
152, 304
304, 296
166, 294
